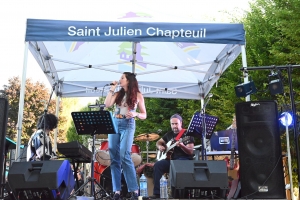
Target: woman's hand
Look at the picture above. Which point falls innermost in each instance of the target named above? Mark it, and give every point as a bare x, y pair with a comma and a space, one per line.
115, 84
131, 114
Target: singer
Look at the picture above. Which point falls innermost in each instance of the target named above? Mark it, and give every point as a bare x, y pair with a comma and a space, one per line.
127, 100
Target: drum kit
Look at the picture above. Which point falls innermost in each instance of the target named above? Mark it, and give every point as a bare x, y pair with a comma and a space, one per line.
102, 166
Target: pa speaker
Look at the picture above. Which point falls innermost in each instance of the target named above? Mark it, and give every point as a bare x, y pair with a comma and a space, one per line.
3, 125
260, 156
245, 89
198, 178
47, 180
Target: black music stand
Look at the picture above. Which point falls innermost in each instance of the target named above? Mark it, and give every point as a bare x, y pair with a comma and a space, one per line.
92, 123
202, 126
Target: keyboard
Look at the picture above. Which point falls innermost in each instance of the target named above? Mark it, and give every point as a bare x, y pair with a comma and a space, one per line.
75, 151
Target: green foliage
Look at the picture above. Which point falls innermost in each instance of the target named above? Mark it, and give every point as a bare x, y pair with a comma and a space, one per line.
72, 133
36, 95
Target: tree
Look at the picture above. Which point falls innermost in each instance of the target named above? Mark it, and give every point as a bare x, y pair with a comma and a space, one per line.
36, 97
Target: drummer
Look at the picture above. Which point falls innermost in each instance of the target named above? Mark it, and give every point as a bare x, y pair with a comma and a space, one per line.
182, 151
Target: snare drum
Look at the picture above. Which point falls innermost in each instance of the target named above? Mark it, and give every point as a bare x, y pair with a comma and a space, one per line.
102, 155
136, 154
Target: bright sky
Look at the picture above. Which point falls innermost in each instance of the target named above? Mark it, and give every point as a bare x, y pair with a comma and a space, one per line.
15, 12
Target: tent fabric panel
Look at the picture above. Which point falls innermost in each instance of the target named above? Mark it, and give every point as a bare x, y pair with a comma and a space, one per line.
180, 66
63, 30
148, 89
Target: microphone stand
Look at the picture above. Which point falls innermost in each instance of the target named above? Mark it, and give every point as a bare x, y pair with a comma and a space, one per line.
44, 119
202, 113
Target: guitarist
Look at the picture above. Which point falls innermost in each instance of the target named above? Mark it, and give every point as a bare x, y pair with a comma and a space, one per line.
181, 151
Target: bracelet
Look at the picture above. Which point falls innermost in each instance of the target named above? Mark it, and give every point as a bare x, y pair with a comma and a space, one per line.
111, 91
138, 114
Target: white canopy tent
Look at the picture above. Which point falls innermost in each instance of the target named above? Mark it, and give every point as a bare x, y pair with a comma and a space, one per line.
171, 60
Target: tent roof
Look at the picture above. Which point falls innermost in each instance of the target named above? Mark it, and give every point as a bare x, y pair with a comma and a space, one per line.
171, 60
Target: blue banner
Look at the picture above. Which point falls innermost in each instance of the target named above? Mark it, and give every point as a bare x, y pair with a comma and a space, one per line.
61, 30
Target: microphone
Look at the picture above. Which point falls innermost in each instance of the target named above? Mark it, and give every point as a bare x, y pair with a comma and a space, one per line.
112, 84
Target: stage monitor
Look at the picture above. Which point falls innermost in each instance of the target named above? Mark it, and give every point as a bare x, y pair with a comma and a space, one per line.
47, 180
197, 176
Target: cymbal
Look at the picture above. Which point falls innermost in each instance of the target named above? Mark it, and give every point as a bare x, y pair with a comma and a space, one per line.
152, 155
147, 137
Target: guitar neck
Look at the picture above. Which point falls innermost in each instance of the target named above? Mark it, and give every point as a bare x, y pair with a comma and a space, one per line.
171, 147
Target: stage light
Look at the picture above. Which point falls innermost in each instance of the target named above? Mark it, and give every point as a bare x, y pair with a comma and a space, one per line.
276, 87
283, 120
245, 89
275, 83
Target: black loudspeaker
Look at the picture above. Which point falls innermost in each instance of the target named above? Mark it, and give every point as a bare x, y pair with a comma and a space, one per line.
3, 125
198, 178
276, 87
47, 180
260, 156
245, 89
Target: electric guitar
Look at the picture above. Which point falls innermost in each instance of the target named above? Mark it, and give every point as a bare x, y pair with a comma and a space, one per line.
170, 145
233, 139
233, 166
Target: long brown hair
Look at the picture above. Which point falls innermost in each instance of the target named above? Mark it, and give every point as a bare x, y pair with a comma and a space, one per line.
132, 90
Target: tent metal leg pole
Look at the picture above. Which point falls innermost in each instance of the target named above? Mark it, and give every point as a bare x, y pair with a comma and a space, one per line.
245, 73
133, 56
56, 130
21, 103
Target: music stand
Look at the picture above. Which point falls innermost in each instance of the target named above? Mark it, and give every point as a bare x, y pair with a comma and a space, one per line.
202, 126
92, 123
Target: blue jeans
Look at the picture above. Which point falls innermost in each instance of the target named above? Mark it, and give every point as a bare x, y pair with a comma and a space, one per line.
119, 146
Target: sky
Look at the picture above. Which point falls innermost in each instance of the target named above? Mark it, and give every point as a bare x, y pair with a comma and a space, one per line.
15, 12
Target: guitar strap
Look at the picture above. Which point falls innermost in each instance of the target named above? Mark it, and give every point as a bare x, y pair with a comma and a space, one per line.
180, 134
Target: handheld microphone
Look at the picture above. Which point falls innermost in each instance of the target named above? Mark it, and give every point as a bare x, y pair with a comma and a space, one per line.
112, 84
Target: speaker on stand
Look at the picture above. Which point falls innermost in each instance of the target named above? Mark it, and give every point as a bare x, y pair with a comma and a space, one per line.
260, 155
